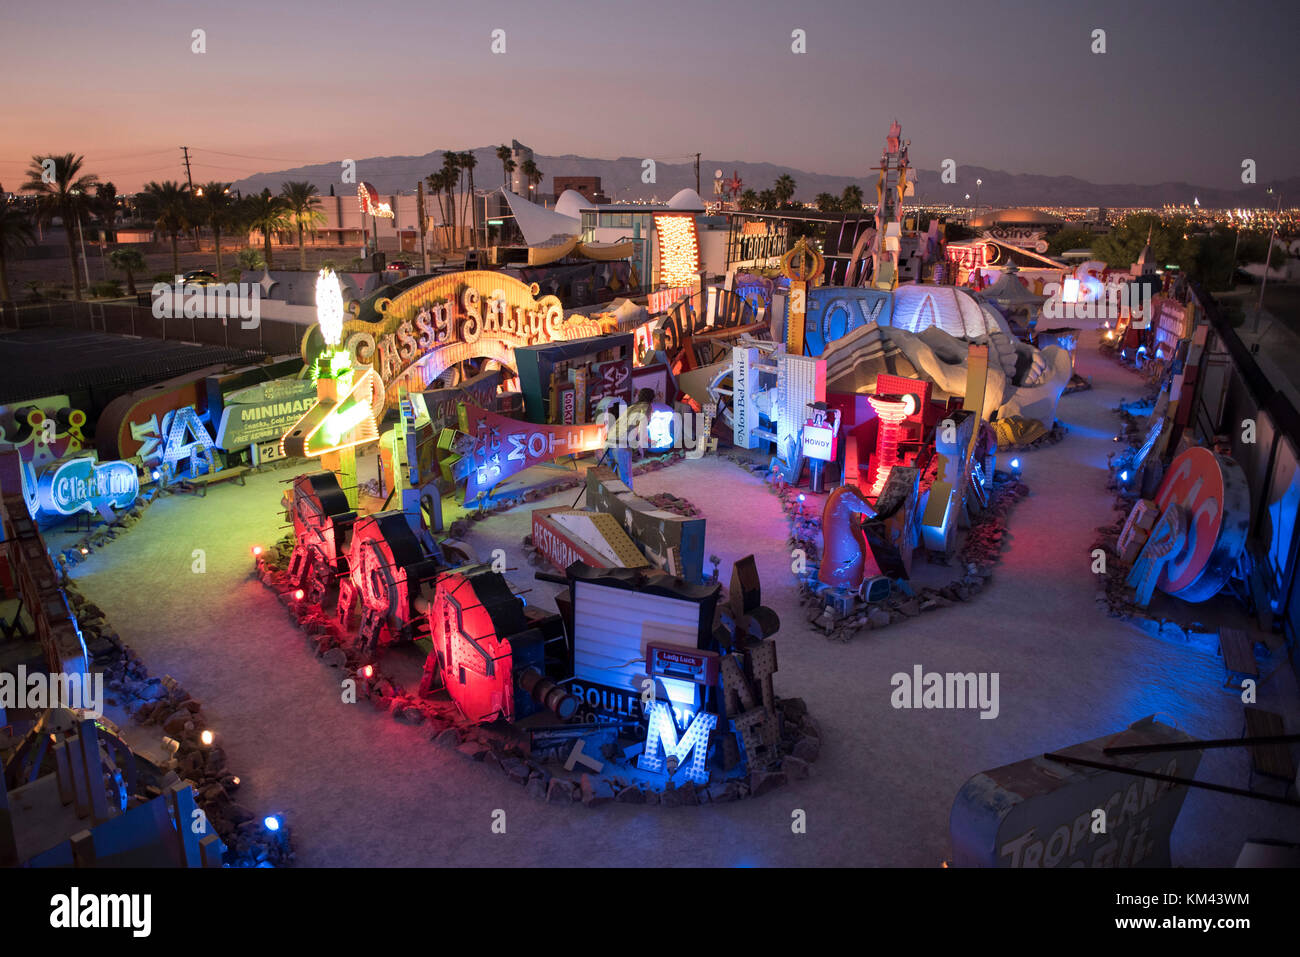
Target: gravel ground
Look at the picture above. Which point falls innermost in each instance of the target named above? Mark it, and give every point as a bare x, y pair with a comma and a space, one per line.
361, 789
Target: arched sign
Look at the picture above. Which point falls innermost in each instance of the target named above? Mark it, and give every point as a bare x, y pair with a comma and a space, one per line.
467, 315
1213, 491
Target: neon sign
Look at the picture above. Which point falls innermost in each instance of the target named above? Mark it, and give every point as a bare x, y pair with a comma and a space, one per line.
187, 447
331, 425
428, 328
662, 742
82, 485
503, 446
368, 199
679, 250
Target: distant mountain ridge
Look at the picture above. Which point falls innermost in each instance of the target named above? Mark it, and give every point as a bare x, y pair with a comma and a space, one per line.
621, 180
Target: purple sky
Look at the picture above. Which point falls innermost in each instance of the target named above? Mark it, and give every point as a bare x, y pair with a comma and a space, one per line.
1186, 91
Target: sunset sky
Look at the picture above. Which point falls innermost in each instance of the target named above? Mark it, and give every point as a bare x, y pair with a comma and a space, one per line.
1185, 91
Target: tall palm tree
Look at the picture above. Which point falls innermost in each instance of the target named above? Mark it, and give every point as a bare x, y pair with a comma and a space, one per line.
215, 210
15, 232
767, 199
467, 162
851, 198
508, 164
784, 188
171, 206
827, 202
105, 207
303, 201
62, 190
748, 200
531, 173
451, 175
130, 261
268, 215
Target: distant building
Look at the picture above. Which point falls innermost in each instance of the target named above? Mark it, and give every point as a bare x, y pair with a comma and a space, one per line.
520, 154
587, 186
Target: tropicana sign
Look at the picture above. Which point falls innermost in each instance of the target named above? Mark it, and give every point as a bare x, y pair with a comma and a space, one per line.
427, 329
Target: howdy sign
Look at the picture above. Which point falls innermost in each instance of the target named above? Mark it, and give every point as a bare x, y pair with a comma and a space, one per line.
504, 446
819, 442
1044, 813
82, 485
1213, 492
430, 327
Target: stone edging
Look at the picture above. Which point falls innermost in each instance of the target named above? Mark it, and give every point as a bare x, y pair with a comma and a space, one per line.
162, 701
979, 553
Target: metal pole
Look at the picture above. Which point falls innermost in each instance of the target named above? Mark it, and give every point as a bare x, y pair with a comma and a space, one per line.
1268, 257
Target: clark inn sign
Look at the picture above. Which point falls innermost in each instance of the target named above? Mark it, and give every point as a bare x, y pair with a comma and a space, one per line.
425, 330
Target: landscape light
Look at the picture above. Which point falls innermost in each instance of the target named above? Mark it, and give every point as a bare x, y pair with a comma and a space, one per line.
297, 595
368, 671
206, 737
257, 550
272, 823
1123, 476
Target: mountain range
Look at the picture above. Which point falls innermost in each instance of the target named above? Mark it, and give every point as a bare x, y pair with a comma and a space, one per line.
621, 179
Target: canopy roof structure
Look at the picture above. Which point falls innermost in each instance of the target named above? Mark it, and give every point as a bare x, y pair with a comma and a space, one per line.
542, 226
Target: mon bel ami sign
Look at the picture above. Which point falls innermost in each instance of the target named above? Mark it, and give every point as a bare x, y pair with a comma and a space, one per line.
84, 485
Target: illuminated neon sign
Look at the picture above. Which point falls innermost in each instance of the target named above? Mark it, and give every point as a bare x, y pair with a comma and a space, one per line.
82, 485
331, 425
662, 741
503, 446
187, 446
428, 328
368, 200
679, 249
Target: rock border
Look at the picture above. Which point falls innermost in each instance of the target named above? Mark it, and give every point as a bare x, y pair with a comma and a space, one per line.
510, 751
981, 551
164, 702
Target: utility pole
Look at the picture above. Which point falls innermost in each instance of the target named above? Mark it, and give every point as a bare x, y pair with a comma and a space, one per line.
697, 173
1268, 257
419, 211
190, 181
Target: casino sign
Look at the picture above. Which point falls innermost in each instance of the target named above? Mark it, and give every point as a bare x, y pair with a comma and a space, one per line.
1213, 492
427, 329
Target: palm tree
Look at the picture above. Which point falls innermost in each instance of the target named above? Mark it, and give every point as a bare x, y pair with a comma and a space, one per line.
129, 261
767, 199
531, 173
216, 208
268, 215
172, 208
748, 199
827, 202
784, 188
15, 232
105, 207
508, 164
851, 198
451, 179
250, 259
467, 162
303, 201
62, 190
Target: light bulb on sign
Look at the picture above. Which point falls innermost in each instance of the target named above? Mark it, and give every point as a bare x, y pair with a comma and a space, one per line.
329, 307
